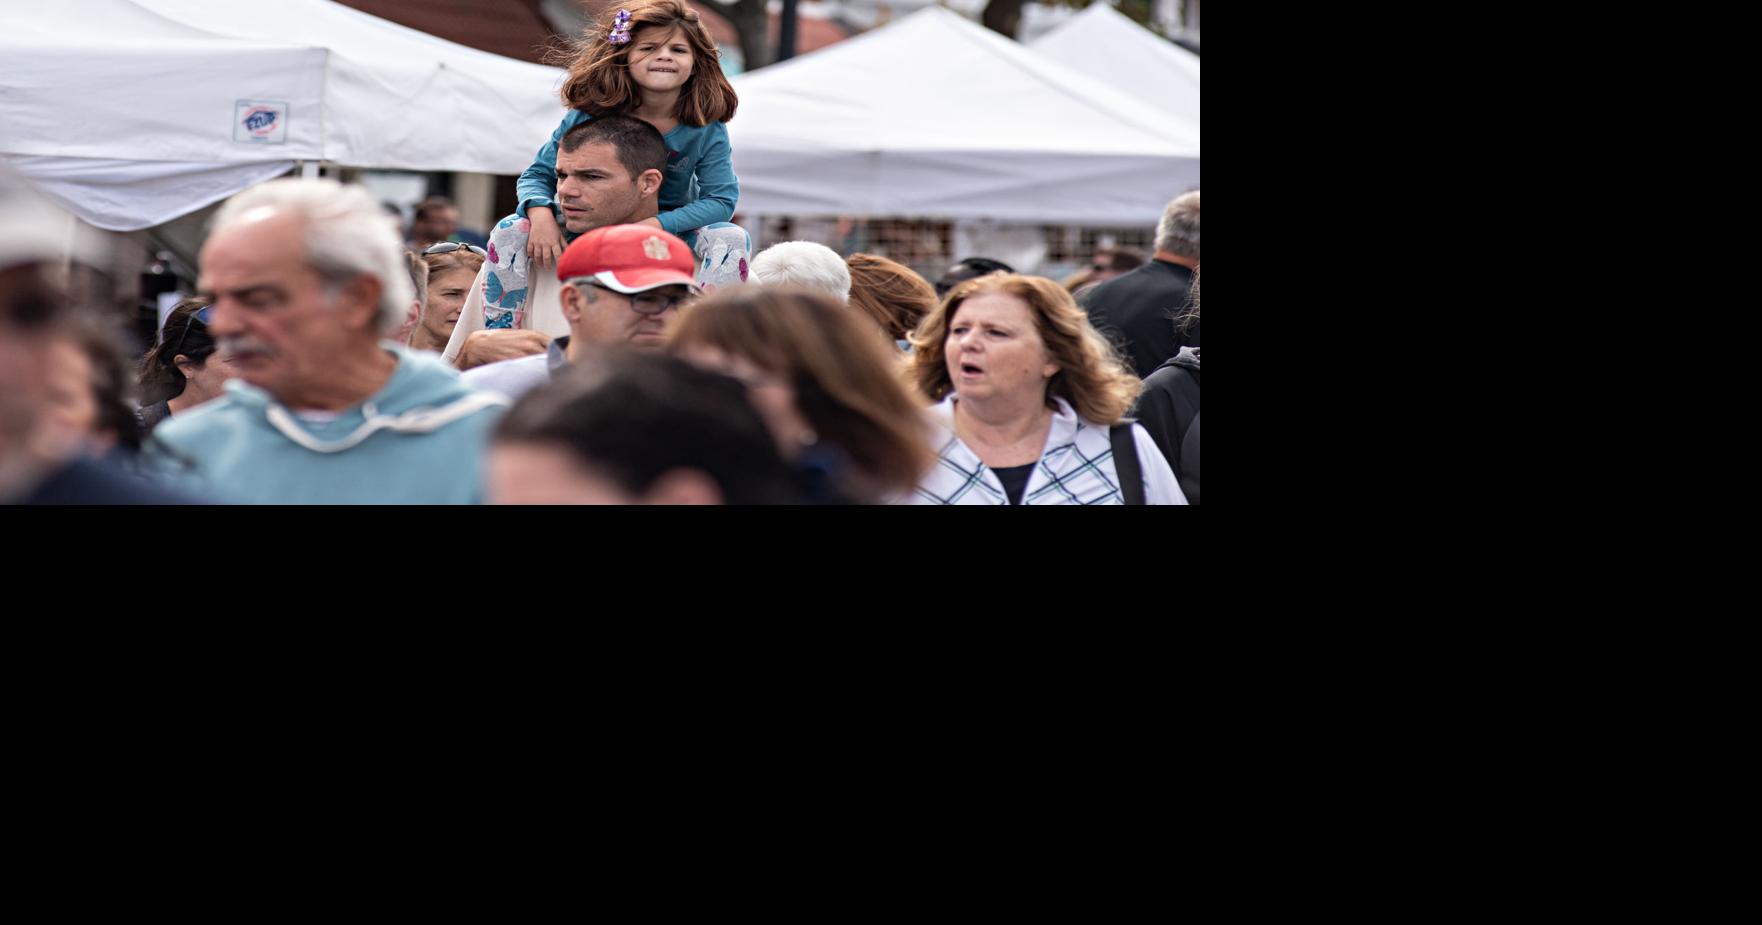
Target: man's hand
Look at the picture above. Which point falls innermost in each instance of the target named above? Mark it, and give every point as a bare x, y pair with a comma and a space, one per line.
544, 244
498, 344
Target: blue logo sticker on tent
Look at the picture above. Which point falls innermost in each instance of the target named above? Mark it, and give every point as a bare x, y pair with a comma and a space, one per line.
260, 122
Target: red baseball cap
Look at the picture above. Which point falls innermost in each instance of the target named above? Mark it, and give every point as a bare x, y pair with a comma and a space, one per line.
628, 258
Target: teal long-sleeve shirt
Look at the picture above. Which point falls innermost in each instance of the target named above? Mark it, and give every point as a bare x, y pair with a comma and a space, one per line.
699, 187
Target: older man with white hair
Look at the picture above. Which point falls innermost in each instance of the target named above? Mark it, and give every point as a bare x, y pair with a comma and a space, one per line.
305, 277
803, 263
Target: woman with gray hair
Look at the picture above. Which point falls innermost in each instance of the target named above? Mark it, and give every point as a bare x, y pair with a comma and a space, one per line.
803, 263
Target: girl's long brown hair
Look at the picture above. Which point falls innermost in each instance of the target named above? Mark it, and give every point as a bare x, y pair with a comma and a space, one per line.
599, 71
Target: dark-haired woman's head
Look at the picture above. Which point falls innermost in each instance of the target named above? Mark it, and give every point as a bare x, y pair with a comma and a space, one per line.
184, 364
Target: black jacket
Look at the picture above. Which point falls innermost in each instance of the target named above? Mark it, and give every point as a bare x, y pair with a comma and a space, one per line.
90, 481
1169, 409
1137, 311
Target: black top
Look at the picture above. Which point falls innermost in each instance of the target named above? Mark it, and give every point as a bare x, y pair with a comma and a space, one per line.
1015, 480
87, 481
1168, 409
1189, 473
1137, 311
152, 415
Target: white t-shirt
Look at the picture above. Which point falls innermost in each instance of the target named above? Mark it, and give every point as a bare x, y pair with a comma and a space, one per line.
544, 311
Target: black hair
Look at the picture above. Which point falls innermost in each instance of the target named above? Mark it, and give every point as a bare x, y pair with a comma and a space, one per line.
640, 146
970, 268
636, 416
982, 266
185, 334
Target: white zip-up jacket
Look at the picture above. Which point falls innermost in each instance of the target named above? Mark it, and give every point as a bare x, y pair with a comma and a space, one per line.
1076, 467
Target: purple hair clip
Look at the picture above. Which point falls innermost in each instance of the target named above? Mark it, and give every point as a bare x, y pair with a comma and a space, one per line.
620, 28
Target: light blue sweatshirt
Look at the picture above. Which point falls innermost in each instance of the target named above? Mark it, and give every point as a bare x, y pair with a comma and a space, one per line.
419, 440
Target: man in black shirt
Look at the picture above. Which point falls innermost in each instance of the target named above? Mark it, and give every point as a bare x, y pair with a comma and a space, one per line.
1139, 310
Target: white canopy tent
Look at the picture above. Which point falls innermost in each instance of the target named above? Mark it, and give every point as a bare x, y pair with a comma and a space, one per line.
1103, 43
133, 112
937, 116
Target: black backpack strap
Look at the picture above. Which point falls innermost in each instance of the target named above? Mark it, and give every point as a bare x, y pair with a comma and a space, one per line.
1125, 462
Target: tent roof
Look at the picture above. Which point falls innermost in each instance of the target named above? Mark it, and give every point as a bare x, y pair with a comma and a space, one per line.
935, 115
161, 79
1105, 44
396, 97
172, 86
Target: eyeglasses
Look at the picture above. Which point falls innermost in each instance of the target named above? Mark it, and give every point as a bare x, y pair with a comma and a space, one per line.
447, 247
647, 303
200, 316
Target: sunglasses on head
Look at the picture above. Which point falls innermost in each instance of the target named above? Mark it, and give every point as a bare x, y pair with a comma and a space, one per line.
447, 247
200, 316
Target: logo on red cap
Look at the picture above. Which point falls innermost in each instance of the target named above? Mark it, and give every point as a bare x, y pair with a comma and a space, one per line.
628, 258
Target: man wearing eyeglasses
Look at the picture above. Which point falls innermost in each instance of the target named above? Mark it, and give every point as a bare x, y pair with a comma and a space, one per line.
621, 287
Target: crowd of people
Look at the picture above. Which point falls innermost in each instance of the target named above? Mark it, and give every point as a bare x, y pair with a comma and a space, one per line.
614, 340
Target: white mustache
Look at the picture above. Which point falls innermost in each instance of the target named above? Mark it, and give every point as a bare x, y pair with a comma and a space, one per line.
234, 345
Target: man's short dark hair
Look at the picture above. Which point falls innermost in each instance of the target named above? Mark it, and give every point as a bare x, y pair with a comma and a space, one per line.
640, 146
636, 416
